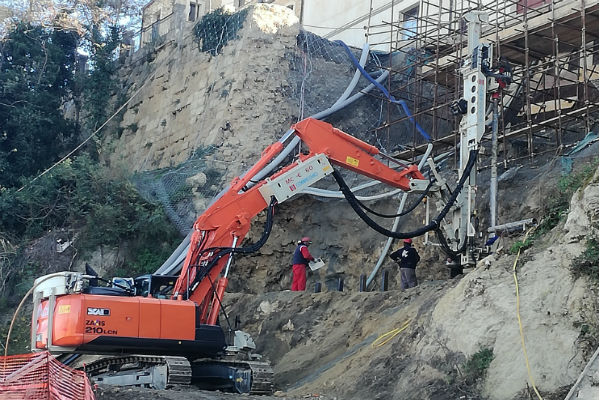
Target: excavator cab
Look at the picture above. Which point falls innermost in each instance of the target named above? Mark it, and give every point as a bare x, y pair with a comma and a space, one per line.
157, 286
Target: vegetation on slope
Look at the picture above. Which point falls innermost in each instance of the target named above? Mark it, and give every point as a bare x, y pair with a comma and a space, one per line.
48, 102
556, 209
217, 28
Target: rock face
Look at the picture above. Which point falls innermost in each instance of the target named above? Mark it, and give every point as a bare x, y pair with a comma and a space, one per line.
191, 99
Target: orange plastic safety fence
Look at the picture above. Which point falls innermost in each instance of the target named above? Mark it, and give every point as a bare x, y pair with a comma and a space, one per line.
39, 376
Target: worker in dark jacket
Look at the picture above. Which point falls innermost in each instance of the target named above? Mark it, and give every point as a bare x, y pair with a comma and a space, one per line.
407, 258
300, 262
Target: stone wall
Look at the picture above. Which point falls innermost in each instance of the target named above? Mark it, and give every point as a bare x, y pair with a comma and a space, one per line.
190, 99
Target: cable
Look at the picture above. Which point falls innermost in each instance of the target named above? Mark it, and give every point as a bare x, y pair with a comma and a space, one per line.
434, 224
389, 335
212, 285
384, 91
519, 318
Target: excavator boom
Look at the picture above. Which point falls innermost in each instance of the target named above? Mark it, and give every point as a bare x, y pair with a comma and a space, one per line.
228, 219
177, 316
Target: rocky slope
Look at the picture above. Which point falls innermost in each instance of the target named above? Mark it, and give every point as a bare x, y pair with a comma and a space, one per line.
421, 343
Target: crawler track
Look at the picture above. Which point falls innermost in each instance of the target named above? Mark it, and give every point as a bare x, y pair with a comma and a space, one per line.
179, 369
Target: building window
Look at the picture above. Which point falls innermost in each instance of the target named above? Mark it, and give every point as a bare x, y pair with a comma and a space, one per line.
409, 23
192, 14
155, 27
195, 11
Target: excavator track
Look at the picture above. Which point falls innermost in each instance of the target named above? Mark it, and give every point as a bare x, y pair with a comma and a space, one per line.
127, 370
244, 376
262, 377
163, 371
179, 371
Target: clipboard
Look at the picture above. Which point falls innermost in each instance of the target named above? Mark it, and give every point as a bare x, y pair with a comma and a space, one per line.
315, 265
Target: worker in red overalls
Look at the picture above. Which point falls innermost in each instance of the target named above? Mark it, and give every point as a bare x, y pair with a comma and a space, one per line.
300, 262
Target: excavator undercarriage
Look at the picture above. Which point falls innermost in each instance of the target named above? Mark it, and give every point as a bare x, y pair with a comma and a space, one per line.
159, 372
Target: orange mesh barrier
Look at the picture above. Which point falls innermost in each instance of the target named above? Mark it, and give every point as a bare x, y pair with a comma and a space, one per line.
39, 376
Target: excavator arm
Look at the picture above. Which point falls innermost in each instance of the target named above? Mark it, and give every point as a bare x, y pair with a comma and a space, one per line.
219, 230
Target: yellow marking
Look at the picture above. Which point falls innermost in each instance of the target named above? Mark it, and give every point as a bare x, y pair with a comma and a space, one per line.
352, 161
64, 309
326, 168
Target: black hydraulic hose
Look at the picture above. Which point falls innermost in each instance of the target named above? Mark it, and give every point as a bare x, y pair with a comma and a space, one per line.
434, 224
446, 248
223, 251
408, 210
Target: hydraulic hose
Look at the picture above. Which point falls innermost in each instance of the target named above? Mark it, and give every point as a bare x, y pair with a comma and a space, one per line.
446, 248
204, 270
434, 224
389, 241
400, 214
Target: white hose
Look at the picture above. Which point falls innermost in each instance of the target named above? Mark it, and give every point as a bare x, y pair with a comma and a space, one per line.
177, 257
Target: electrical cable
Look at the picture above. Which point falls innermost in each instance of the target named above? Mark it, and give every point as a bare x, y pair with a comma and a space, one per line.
434, 224
389, 335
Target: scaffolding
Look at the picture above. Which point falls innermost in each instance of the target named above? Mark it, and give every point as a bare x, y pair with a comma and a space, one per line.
551, 46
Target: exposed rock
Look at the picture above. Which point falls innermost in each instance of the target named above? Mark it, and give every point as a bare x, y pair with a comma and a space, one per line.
195, 100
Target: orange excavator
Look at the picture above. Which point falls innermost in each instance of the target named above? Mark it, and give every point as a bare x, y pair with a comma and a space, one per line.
164, 329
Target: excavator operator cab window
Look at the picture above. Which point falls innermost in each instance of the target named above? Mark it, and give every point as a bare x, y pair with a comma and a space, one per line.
142, 285
157, 286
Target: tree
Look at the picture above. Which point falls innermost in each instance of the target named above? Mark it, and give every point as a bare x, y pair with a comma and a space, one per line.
37, 68
99, 83
72, 15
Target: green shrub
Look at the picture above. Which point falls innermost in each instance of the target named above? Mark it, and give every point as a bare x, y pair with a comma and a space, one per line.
521, 245
476, 366
80, 194
587, 263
